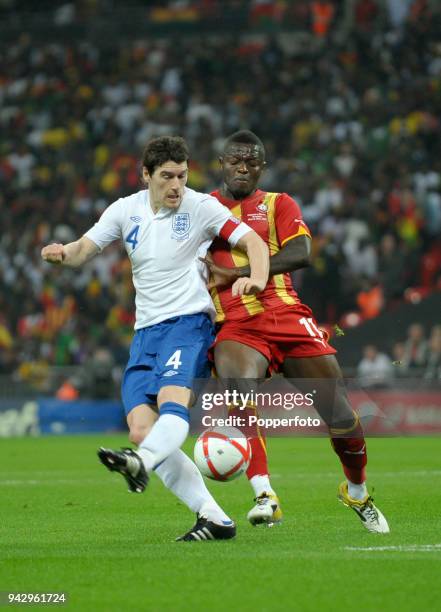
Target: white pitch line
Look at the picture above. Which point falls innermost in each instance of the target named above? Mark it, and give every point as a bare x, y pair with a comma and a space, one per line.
15, 483
291, 476
403, 548
418, 474
12, 483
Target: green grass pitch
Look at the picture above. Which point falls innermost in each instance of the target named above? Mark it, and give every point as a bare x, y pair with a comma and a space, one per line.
67, 524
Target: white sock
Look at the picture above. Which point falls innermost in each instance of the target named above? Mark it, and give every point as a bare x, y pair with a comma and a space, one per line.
182, 477
261, 484
357, 491
165, 437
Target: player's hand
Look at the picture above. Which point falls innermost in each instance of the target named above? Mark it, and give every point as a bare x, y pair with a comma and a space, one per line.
219, 275
247, 286
53, 253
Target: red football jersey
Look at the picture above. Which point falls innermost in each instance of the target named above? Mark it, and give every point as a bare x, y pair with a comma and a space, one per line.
277, 218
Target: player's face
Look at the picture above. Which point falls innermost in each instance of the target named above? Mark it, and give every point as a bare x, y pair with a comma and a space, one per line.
166, 184
242, 165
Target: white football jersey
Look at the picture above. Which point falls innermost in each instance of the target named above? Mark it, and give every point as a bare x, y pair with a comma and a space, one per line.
164, 250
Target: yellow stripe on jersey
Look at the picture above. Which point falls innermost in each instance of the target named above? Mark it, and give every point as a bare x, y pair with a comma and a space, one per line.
280, 288
302, 232
273, 243
220, 314
237, 211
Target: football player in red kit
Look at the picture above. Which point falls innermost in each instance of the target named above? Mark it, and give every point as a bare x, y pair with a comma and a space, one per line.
274, 331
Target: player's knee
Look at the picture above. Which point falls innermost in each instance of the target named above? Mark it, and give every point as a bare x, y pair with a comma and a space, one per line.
137, 434
175, 394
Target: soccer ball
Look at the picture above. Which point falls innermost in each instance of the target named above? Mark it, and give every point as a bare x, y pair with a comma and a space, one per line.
223, 453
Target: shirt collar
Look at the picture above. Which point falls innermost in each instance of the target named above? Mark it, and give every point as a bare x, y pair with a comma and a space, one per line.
251, 199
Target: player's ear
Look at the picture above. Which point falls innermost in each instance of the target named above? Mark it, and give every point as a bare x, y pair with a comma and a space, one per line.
145, 175
221, 161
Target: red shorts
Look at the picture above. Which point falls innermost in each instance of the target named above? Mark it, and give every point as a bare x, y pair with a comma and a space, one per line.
278, 334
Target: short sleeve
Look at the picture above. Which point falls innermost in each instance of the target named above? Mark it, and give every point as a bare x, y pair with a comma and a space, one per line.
108, 228
217, 220
288, 219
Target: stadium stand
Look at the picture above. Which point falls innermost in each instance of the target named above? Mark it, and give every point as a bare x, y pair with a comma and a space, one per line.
349, 111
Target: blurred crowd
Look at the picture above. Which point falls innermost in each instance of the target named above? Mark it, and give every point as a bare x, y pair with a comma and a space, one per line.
350, 118
416, 356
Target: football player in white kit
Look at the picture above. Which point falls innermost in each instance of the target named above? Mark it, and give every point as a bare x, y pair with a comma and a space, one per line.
165, 229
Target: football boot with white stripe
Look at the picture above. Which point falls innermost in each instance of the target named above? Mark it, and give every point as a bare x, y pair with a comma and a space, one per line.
205, 530
128, 464
367, 512
267, 510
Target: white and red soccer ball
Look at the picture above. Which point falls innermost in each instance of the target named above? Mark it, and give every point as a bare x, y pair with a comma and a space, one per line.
223, 453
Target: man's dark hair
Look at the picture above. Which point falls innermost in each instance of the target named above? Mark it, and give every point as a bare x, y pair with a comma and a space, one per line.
164, 149
245, 137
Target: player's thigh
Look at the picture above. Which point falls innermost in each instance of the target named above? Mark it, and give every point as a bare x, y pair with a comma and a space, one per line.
321, 366
322, 377
140, 420
236, 360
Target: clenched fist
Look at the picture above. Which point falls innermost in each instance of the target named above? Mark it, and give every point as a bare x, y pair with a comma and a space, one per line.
53, 253
247, 286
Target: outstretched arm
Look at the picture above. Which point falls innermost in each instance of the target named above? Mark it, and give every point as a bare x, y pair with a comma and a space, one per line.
294, 255
73, 255
258, 269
